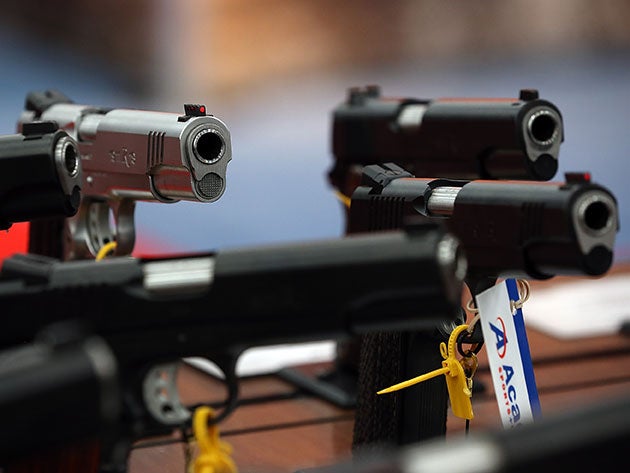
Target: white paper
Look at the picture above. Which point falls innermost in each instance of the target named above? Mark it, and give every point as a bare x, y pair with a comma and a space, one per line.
263, 360
583, 308
577, 309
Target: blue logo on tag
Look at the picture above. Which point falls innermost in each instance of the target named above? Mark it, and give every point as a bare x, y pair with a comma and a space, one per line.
501, 338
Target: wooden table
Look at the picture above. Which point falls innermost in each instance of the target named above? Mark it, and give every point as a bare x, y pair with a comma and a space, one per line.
278, 428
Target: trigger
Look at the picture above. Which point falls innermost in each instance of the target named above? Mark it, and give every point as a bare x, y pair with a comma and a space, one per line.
160, 395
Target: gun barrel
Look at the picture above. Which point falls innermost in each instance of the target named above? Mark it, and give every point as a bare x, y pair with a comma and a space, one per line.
275, 294
442, 200
525, 229
139, 154
457, 138
41, 174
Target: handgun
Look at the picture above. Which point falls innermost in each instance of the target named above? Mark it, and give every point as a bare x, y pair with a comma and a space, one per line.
40, 174
130, 155
450, 137
521, 229
153, 311
516, 229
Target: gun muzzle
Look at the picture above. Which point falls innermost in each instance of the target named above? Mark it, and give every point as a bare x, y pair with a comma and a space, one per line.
41, 174
507, 228
457, 138
142, 155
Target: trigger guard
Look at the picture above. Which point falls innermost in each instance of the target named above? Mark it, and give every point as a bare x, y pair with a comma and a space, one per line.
87, 231
228, 367
90, 229
475, 339
125, 230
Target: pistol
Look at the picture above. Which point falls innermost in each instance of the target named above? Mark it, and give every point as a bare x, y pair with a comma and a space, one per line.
516, 229
458, 138
153, 311
40, 176
132, 155
520, 229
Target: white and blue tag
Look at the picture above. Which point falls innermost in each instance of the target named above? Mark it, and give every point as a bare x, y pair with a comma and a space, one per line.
509, 358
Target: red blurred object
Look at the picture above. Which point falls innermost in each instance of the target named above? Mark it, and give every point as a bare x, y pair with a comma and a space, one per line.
14, 240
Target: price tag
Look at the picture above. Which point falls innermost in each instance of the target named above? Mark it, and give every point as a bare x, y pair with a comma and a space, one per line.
509, 358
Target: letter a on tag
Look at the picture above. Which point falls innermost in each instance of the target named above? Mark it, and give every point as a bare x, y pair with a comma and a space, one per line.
509, 358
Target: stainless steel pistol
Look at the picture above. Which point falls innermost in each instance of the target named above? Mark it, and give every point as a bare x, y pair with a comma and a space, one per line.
130, 155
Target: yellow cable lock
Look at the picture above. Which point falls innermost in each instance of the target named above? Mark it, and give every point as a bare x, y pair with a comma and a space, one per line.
214, 454
107, 249
458, 384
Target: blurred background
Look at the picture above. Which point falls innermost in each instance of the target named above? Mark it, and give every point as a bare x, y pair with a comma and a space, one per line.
273, 70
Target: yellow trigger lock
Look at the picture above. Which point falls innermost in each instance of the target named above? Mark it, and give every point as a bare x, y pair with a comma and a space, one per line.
458, 383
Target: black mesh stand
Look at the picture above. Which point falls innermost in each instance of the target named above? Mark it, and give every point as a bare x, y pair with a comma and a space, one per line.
410, 415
